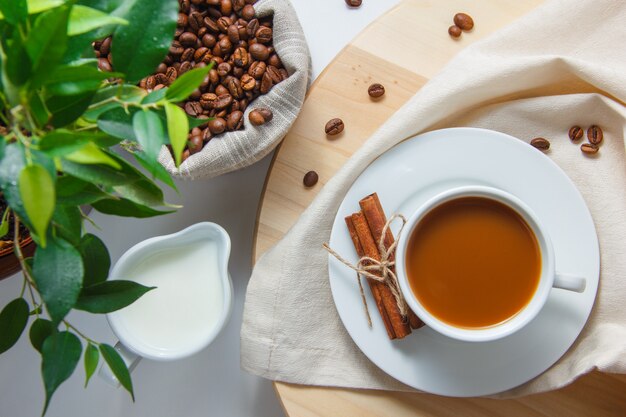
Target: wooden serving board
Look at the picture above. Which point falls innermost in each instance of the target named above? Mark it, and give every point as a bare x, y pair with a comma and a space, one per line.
401, 50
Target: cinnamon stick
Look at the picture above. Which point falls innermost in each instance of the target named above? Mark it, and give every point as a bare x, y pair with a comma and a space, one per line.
376, 220
399, 324
374, 286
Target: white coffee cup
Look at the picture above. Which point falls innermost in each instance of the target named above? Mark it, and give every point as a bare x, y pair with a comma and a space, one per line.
134, 341
549, 278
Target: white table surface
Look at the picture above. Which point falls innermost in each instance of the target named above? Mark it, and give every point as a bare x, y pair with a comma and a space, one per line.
210, 383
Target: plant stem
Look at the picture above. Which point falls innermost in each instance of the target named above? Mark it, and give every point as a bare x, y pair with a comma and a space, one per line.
78, 332
20, 257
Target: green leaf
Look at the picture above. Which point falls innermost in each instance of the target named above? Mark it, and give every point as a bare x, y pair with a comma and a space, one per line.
47, 41
38, 108
13, 319
4, 226
96, 260
14, 11
103, 5
72, 191
155, 168
91, 358
10, 167
177, 128
155, 96
60, 142
17, 66
96, 174
124, 92
110, 296
118, 367
39, 331
138, 48
141, 191
66, 109
38, 194
58, 271
126, 208
70, 80
68, 222
83, 19
38, 6
60, 354
149, 132
90, 154
187, 83
193, 122
116, 122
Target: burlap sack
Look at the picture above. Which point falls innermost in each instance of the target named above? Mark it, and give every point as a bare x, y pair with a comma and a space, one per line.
234, 150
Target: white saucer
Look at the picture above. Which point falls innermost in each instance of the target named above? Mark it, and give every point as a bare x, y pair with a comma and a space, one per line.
407, 175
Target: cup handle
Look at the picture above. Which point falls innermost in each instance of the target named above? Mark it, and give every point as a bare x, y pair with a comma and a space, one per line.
570, 282
130, 359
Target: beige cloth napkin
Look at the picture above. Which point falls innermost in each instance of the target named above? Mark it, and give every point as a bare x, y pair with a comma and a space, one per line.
560, 65
231, 151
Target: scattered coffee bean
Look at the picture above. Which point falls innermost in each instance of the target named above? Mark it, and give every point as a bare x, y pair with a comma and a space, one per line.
541, 144
376, 90
310, 179
334, 127
228, 35
575, 133
454, 31
595, 135
260, 116
464, 21
354, 3
589, 148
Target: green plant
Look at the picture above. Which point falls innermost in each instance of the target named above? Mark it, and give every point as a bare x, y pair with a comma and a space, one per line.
59, 119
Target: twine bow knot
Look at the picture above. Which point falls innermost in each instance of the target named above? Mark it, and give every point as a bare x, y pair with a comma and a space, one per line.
379, 270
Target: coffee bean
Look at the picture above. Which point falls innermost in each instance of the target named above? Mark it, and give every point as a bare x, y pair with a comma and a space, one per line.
589, 148
259, 51
464, 21
264, 35
233, 34
188, 54
184, 67
234, 87
454, 31
105, 46
248, 12
595, 135
376, 90
224, 69
252, 27
207, 101
193, 108
104, 65
221, 90
226, 7
540, 143
354, 3
225, 45
284, 74
176, 49
575, 133
150, 82
234, 121
274, 74
238, 5
260, 116
240, 57
223, 23
182, 20
334, 127
310, 179
257, 69
247, 82
188, 39
217, 125
223, 101
211, 25
185, 155
209, 40
266, 83
195, 144
160, 78
195, 95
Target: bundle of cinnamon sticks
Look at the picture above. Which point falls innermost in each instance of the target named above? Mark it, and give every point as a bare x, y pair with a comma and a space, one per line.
366, 229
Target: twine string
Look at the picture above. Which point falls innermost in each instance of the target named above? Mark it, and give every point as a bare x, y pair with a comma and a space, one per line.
378, 270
